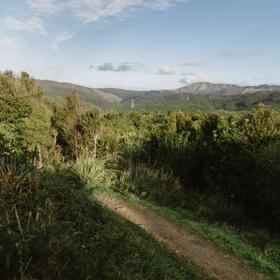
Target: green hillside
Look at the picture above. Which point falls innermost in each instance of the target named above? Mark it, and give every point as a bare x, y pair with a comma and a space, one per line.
201, 102
56, 91
219, 97
123, 93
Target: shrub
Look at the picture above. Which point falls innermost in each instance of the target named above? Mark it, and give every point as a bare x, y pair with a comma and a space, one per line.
158, 185
93, 171
235, 158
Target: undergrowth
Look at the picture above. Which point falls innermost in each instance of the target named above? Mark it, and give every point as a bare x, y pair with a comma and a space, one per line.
51, 229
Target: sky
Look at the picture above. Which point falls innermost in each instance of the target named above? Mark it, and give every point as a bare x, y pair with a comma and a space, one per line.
142, 44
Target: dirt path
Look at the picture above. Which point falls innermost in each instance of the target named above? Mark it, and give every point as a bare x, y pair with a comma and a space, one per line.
214, 264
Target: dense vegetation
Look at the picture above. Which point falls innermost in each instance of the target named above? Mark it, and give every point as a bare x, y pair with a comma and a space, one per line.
50, 226
225, 169
235, 158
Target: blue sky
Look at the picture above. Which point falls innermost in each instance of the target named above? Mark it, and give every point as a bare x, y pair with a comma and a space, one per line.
142, 44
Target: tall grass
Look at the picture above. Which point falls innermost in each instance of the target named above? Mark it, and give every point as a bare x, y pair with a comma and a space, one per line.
51, 229
15, 175
93, 171
89, 169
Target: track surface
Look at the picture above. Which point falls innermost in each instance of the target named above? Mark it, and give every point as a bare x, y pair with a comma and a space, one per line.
213, 263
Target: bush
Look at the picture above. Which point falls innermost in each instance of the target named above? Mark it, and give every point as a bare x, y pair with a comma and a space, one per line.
89, 169
234, 157
158, 185
94, 171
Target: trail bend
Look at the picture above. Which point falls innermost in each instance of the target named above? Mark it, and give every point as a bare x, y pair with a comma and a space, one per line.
211, 262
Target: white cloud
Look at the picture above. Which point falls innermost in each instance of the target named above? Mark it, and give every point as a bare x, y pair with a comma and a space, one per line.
60, 38
90, 11
95, 10
43, 6
165, 70
34, 24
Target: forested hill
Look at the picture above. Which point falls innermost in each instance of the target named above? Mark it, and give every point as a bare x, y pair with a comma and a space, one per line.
103, 98
57, 91
197, 96
203, 102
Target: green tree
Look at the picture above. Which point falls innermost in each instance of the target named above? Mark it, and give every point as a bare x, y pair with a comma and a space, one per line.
17, 94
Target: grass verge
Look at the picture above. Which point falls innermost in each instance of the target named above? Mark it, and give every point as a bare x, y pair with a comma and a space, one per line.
50, 228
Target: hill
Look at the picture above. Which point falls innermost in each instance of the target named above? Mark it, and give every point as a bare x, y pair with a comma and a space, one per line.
195, 97
167, 101
224, 89
56, 91
123, 93
103, 98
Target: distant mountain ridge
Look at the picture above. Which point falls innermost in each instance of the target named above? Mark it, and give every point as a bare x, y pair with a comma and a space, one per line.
224, 89
108, 98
